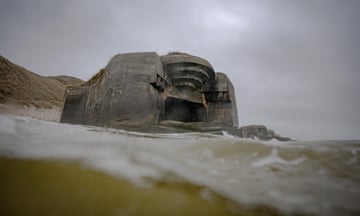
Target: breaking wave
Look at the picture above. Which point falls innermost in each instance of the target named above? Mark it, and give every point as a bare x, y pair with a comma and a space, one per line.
312, 177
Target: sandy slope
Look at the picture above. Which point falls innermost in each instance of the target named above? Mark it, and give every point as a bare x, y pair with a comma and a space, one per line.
23, 92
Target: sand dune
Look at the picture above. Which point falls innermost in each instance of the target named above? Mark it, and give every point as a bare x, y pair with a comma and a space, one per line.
23, 92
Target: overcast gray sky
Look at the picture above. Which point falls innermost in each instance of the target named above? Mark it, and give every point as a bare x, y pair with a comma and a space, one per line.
295, 64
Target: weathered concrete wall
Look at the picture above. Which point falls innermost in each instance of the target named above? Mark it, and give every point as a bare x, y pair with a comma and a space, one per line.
93, 112
129, 97
222, 102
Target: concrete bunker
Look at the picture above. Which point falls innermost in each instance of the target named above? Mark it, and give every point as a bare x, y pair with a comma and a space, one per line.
143, 90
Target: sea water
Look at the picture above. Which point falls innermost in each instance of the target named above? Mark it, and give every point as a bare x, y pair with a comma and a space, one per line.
298, 177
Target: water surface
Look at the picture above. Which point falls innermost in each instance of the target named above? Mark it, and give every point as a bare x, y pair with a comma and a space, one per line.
226, 174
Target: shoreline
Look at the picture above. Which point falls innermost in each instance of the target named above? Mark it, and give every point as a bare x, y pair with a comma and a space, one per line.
47, 114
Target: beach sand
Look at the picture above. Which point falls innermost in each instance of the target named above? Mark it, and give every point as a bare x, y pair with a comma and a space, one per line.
46, 114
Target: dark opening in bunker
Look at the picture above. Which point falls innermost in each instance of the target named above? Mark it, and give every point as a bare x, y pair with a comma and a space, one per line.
185, 111
73, 107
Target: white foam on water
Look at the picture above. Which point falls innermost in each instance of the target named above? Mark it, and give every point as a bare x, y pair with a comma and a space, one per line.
274, 158
7, 126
